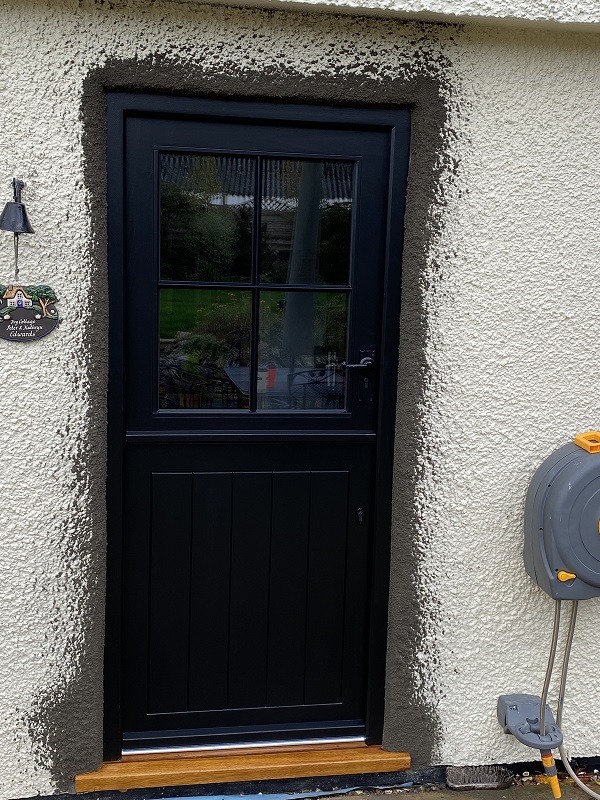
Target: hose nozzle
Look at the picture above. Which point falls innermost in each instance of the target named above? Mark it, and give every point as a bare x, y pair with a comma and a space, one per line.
550, 770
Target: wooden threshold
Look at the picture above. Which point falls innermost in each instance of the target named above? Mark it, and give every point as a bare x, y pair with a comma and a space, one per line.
214, 767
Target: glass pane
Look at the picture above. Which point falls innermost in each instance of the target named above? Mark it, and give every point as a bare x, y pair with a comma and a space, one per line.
206, 213
306, 221
302, 343
204, 348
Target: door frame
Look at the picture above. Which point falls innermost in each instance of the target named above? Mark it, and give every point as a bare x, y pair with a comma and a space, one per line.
396, 122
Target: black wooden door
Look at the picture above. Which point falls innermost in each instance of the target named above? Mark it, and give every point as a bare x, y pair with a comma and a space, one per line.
255, 245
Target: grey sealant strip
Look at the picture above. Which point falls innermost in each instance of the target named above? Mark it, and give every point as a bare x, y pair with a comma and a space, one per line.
292, 795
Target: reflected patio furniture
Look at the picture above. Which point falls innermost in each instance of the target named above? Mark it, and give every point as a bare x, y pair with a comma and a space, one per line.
274, 397
316, 388
201, 386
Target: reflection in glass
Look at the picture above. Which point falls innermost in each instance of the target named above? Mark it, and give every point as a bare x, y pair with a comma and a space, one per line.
204, 348
206, 212
306, 220
302, 344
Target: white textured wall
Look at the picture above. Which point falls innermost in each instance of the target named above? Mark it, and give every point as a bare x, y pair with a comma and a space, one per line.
512, 348
511, 344
571, 13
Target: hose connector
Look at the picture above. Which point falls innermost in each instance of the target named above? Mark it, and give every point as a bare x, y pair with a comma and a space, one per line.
551, 773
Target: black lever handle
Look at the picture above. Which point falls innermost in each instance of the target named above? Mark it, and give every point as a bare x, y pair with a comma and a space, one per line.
364, 363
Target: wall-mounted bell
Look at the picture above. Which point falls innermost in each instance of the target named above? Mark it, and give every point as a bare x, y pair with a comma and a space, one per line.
14, 217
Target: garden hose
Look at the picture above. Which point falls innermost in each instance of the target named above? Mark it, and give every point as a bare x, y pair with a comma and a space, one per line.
549, 768
549, 668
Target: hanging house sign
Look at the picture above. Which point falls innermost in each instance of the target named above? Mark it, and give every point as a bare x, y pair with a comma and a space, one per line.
27, 313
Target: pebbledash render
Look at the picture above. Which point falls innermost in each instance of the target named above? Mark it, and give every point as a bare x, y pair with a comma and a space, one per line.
498, 335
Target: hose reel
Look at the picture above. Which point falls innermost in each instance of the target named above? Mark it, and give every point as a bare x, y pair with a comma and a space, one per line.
562, 555
562, 521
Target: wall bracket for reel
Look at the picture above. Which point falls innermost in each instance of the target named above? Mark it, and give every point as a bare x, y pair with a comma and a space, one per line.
519, 714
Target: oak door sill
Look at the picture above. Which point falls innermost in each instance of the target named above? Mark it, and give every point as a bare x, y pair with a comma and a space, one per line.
190, 769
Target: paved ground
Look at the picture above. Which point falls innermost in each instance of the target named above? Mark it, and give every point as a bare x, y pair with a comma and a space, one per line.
527, 791
528, 786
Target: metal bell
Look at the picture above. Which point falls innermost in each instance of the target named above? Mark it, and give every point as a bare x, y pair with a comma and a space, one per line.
14, 217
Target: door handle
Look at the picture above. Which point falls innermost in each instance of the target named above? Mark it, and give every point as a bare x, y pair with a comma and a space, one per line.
364, 363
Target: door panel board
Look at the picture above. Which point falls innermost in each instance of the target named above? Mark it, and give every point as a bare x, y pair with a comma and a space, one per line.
211, 558
248, 637
169, 605
288, 587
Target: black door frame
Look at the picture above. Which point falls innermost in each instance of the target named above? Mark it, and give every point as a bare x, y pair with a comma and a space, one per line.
396, 122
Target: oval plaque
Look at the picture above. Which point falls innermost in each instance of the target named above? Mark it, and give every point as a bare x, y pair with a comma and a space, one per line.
27, 313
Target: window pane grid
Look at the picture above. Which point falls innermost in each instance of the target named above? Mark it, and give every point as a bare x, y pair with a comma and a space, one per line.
272, 341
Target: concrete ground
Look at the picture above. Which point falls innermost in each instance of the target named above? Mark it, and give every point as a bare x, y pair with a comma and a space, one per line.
532, 787
527, 791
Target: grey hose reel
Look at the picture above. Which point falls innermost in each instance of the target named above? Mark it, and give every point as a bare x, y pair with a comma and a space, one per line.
562, 555
562, 521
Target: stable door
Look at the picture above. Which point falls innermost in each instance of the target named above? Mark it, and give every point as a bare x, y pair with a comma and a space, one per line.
255, 244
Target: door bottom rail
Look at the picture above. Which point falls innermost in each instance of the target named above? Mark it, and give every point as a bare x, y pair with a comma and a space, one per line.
233, 747
212, 766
